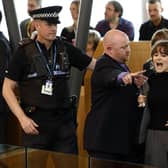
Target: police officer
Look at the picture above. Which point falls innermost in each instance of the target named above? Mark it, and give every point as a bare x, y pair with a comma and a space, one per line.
5, 55
41, 69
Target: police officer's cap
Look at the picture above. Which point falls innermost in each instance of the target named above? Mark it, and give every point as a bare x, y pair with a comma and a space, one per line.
49, 14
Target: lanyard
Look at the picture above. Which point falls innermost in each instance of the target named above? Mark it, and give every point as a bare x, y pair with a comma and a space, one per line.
49, 69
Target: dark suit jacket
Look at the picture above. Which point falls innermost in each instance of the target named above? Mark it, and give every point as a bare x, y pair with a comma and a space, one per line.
113, 122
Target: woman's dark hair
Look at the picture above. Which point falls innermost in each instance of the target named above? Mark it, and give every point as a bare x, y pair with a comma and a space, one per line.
161, 34
154, 1
163, 47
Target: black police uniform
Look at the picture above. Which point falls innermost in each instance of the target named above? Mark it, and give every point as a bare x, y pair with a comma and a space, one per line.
5, 54
35, 68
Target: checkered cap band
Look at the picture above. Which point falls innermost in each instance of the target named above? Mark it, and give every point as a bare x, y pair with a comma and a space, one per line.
45, 15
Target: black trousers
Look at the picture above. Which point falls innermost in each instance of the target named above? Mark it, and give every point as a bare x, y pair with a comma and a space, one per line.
57, 131
3, 127
4, 116
137, 156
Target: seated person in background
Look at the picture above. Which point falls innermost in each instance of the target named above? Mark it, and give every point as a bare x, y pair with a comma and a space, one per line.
92, 43
27, 25
69, 32
113, 19
93, 40
156, 21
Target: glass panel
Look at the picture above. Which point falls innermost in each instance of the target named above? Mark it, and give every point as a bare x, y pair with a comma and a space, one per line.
12, 156
47, 159
100, 163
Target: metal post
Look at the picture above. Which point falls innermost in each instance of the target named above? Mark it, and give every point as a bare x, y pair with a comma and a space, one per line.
81, 41
12, 23
144, 11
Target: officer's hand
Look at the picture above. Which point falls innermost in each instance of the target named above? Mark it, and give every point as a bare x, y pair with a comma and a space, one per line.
29, 126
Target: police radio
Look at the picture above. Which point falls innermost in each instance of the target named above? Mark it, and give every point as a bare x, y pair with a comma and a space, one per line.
64, 62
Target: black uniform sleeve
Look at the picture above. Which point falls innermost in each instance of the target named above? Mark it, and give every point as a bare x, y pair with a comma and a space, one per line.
18, 65
4, 58
77, 58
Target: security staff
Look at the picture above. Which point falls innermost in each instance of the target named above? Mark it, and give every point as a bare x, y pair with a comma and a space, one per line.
41, 69
5, 55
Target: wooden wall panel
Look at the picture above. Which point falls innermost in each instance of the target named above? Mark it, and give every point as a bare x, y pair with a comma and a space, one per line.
140, 52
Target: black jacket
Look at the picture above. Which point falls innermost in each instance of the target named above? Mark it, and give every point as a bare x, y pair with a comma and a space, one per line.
5, 54
147, 29
112, 124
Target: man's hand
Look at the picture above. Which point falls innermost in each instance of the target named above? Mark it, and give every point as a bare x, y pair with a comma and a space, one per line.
141, 100
139, 78
29, 126
127, 79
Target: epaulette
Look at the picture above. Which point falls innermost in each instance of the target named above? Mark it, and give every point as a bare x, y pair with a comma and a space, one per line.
25, 41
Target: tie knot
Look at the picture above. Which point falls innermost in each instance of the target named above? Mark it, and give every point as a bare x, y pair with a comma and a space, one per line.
125, 67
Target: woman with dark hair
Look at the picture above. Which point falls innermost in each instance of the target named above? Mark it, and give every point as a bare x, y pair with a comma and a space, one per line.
160, 34
157, 135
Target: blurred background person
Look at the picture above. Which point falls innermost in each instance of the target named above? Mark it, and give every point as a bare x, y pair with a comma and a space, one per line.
114, 12
27, 26
93, 40
69, 32
156, 20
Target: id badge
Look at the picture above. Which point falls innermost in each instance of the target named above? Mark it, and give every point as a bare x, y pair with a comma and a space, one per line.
47, 88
